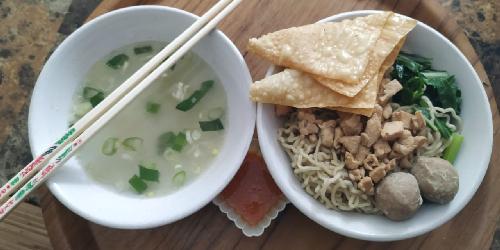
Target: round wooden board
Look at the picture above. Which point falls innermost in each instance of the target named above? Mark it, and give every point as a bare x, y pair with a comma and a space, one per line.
472, 228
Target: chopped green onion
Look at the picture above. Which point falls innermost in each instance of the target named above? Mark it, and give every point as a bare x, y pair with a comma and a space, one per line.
132, 143
138, 184
179, 178
189, 103
89, 92
152, 107
451, 152
95, 100
164, 141
149, 174
179, 142
212, 125
171, 140
109, 147
143, 49
117, 61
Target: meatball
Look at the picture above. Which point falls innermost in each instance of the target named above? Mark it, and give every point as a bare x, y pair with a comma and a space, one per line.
398, 196
437, 179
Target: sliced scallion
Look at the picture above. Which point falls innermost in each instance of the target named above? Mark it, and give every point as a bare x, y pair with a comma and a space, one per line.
143, 49
171, 140
179, 142
109, 146
138, 184
132, 143
117, 61
152, 107
164, 141
212, 125
179, 178
95, 100
89, 92
149, 174
189, 103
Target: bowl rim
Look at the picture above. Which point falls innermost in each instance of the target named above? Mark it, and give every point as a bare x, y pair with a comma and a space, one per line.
346, 231
202, 201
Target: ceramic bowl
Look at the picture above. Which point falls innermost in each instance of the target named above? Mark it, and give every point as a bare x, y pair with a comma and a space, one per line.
64, 72
472, 161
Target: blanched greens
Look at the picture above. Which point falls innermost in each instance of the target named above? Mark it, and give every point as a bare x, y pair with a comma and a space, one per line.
418, 78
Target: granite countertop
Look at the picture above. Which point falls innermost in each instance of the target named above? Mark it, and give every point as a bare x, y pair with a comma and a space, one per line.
30, 30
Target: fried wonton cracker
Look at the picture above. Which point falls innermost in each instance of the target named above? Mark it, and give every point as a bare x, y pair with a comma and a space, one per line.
297, 89
388, 62
334, 50
396, 28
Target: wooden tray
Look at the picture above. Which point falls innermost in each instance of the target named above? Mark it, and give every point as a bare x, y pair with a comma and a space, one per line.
472, 228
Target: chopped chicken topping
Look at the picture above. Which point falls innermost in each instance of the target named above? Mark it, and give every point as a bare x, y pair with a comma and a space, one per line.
417, 122
327, 133
390, 165
351, 125
381, 148
338, 135
372, 131
363, 151
370, 162
356, 174
351, 143
378, 173
403, 116
389, 90
407, 143
350, 162
387, 112
366, 185
392, 130
378, 110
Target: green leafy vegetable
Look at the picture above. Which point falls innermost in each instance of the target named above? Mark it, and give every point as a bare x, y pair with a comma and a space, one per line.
179, 178
212, 125
109, 146
153, 107
417, 77
117, 61
132, 143
412, 91
143, 49
195, 97
451, 152
149, 174
171, 140
138, 184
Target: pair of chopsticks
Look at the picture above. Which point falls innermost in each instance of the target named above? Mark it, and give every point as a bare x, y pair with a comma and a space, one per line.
57, 154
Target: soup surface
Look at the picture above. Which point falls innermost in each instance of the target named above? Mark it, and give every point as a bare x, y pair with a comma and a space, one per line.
166, 137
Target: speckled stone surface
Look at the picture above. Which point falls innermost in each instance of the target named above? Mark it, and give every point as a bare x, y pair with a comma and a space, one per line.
31, 29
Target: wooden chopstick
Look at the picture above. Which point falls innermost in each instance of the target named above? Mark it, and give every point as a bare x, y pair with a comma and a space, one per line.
93, 121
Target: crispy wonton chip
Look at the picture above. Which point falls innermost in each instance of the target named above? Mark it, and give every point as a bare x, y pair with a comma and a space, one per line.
394, 30
385, 66
335, 50
297, 89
